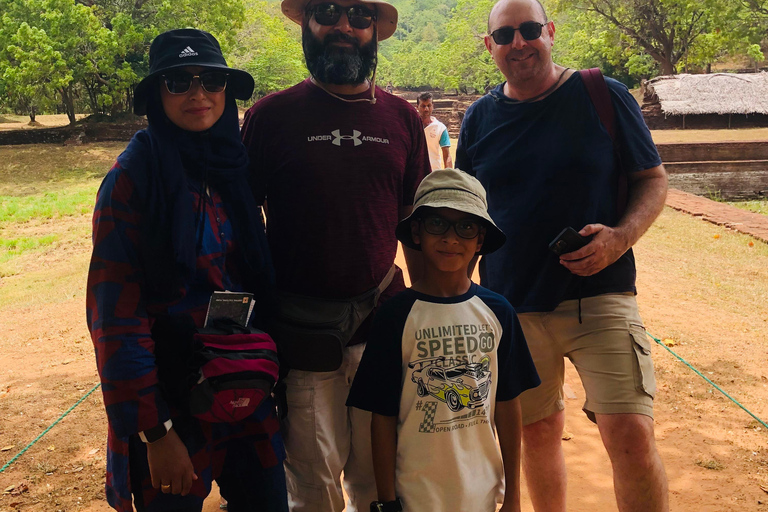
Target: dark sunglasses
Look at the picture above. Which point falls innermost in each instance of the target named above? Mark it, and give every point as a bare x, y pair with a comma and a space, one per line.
464, 228
530, 30
181, 82
328, 14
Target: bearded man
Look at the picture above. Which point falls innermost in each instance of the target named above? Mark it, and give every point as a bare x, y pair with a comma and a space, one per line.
336, 162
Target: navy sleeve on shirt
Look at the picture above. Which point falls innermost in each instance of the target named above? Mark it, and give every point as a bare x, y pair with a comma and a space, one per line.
463, 161
636, 147
516, 371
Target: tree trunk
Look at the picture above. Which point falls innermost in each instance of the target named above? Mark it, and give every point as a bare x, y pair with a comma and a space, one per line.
69, 103
667, 68
91, 89
31, 115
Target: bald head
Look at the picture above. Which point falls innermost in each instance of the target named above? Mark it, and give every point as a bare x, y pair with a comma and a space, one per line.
504, 4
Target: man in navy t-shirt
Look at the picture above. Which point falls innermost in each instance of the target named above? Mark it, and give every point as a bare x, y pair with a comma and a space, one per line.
337, 162
539, 147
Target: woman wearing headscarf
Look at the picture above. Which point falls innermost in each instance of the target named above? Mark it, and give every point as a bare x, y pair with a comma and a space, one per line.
175, 221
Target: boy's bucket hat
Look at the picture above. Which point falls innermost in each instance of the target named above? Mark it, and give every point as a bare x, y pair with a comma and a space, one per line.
188, 47
457, 190
386, 14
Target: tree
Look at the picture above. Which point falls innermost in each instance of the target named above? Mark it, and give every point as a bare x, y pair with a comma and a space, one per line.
463, 60
50, 41
39, 72
755, 53
269, 48
666, 30
757, 6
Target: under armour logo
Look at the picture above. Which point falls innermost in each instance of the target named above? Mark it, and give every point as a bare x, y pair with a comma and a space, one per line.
338, 137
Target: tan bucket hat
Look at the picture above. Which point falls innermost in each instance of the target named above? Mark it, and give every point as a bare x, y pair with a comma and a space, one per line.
455, 189
386, 14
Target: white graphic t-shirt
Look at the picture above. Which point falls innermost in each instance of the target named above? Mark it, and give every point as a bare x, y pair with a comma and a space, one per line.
440, 365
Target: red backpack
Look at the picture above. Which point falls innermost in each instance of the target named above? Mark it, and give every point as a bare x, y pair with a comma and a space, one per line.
238, 368
219, 374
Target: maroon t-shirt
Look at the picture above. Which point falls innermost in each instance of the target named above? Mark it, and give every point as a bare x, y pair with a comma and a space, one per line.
334, 175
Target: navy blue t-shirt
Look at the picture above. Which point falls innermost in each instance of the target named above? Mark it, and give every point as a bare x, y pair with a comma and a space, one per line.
548, 165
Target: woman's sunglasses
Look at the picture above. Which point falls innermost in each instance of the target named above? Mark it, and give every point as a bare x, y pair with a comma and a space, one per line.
328, 14
181, 82
530, 30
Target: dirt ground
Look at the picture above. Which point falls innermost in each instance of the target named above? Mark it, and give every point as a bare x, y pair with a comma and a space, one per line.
703, 288
13, 122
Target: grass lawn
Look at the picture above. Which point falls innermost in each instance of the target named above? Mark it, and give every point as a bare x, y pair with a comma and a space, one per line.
47, 194
760, 206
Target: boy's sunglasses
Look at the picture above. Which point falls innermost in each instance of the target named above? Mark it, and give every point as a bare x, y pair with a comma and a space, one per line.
181, 82
437, 225
530, 30
328, 14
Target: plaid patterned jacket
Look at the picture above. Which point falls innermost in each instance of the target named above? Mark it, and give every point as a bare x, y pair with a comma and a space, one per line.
120, 316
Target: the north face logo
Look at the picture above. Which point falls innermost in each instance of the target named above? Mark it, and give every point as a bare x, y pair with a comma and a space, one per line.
188, 52
240, 402
338, 137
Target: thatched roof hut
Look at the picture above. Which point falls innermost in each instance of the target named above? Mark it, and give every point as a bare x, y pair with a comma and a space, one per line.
711, 95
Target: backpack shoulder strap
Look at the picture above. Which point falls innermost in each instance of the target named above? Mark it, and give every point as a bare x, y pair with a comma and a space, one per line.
594, 81
601, 98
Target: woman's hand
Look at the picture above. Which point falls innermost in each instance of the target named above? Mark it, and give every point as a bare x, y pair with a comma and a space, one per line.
169, 465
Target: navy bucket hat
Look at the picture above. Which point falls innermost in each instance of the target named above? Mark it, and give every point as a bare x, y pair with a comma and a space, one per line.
188, 47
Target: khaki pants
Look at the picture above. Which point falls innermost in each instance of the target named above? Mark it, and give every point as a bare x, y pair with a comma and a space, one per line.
323, 438
609, 349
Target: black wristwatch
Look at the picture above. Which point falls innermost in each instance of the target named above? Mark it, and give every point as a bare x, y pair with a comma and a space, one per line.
387, 506
156, 433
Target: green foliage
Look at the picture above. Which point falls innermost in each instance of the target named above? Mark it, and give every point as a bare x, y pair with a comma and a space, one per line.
73, 200
269, 48
88, 54
439, 44
48, 45
671, 32
56, 52
755, 53
16, 246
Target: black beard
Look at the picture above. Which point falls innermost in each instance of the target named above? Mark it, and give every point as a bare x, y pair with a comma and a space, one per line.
336, 65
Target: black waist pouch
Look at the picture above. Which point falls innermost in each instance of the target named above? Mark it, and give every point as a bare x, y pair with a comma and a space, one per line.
311, 332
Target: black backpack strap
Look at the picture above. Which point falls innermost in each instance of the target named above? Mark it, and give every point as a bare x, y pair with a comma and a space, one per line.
601, 99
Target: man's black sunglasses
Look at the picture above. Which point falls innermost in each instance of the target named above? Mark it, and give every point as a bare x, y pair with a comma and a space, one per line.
437, 225
180, 82
530, 30
328, 14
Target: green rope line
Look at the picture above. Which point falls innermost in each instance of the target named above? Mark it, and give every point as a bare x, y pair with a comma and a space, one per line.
7, 464
657, 340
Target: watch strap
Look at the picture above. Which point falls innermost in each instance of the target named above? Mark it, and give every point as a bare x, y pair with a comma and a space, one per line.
156, 433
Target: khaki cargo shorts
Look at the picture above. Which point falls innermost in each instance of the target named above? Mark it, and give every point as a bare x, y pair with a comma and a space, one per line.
610, 350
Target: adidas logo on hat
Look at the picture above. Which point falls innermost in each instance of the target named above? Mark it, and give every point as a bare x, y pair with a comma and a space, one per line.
187, 52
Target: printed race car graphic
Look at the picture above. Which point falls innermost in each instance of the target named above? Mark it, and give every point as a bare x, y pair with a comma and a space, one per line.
459, 386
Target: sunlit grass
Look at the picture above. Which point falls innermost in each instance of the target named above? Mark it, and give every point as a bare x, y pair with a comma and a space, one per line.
73, 200
16, 246
760, 206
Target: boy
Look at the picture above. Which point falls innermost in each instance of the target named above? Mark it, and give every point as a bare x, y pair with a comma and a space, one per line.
446, 360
